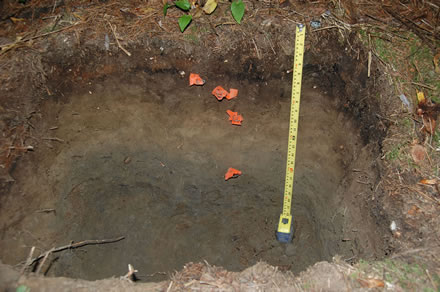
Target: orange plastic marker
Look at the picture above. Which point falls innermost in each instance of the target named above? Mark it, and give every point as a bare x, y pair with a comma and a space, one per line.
195, 79
235, 118
232, 173
219, 92
232, 93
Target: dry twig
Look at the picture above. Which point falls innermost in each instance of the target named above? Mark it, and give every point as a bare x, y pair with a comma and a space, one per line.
43, 261
7, 47
28, 261
116, 38
324, 28
423, 195
130, 274
48, 210
54, 139
74, 245
169, 286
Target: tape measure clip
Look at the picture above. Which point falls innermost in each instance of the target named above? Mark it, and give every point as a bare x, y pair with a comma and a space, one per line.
284, 233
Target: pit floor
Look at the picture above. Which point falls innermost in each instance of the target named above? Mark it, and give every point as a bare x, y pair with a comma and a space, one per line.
145, 158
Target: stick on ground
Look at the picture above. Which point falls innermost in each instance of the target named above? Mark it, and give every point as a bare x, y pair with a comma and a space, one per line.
113, 28
54, 139
28, 261
43, 261
75, 245
8, 46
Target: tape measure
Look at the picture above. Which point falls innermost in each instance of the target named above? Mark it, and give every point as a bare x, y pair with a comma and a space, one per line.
285, 227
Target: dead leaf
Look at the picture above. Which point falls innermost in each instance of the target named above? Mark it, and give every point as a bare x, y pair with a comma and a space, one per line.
210, 6
197, 12
429, 112
418, 153
78, 16
15, 20
145, 10
414, 209
420, 96
371, 283
429, 181
436, 61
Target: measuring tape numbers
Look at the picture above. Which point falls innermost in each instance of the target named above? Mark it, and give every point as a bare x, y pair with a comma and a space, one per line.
285, 227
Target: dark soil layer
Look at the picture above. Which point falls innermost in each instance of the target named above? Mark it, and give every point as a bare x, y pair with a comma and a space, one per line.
138, 153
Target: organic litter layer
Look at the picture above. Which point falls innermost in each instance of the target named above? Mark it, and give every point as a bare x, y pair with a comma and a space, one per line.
200, 276
144, 156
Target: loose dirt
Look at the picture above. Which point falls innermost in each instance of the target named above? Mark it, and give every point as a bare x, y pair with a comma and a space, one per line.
143, 155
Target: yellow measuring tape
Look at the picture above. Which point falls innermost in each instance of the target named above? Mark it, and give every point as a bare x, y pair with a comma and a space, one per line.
285, 226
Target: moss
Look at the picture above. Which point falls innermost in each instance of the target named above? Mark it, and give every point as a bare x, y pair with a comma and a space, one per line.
394, 153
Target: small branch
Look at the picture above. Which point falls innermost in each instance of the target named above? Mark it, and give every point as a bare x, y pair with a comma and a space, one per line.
411, 251
54, 139
54, 6
169, 286
225, 23
10, 45
369, 64
43, 261
154, 274
256, 49
49, 210
324, 28
74, 245
430, 279
116, 38
387, 119
365, 183
423, 194
423, 85
28, 261
130, 276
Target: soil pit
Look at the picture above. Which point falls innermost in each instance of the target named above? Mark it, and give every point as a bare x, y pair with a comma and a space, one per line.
143, 155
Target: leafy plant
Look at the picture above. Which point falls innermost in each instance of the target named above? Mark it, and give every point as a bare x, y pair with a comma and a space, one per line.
183, 4
237, 9
184, 21
165, 8
23, 288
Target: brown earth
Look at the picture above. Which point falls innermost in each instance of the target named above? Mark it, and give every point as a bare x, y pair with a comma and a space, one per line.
122, 146
143, 156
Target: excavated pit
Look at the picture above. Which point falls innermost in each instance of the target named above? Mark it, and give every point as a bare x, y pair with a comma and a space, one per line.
140, 154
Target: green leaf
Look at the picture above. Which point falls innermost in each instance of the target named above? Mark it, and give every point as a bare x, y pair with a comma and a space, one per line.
184, 21
165, 8
237, 8
183, 4
22, 288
